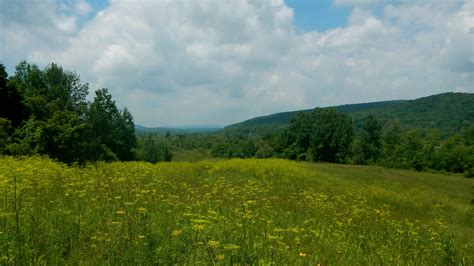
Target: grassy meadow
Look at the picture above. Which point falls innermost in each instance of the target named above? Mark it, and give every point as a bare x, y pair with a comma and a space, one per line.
232, 212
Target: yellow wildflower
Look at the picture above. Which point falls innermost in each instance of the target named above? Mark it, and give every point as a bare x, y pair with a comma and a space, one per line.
213, 243
231, 247
198, 227
176, 232
302, 254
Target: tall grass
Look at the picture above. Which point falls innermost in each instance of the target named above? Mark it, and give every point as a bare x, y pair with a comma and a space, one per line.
233, 211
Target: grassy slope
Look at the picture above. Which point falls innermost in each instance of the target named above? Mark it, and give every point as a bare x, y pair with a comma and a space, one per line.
243, 211
183, 155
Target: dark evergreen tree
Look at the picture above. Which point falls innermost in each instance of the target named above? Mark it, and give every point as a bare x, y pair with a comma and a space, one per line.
11, 105
114, 129
126, 136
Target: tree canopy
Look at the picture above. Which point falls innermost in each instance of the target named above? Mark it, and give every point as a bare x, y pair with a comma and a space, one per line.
45, 111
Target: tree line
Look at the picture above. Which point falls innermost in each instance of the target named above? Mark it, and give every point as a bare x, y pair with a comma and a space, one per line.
46, 111
327, 135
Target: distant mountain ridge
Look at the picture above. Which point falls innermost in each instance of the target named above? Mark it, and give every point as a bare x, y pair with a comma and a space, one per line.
178, 129
450, 113
285, 117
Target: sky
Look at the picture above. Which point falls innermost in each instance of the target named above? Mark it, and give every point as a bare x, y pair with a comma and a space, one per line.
181, 62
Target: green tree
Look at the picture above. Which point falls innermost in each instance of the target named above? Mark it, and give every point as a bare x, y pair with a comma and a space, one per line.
126, 136
27, 140
11, 106
469, 143
323, 135
391, 155
454, 156
50, 90
56, 101
412, 150
297, 137
5, 132
431, 144
370, 140
357, 151
331, 135
114, 129
151, 149
64, 138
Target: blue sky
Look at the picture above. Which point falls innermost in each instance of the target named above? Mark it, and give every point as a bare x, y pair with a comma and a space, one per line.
309, 15
318, 15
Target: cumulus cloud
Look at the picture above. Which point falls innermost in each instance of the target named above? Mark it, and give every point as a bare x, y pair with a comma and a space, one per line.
197, 62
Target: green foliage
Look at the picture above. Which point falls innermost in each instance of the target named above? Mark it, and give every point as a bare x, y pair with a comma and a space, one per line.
430, 148
264, 150
11, 105
153, 149
391, 146
113, 128
277, 120
64, 137
331, 135
27, 139
241, 212
453, 155
323, 135
450, 113
60, 122
5, 132
370, 140
50, 90
357, 152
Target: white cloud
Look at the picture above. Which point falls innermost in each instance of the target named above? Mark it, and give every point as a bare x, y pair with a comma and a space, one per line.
210, 61
82, 7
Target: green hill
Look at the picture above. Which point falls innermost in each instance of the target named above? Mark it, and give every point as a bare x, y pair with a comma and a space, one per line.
450, 113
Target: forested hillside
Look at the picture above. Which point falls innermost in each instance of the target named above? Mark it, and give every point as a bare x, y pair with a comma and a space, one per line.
450, 113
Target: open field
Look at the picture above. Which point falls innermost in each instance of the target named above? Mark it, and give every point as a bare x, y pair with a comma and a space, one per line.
232, 211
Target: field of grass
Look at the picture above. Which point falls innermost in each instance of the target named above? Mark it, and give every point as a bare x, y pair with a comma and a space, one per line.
183, 155
232, 211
